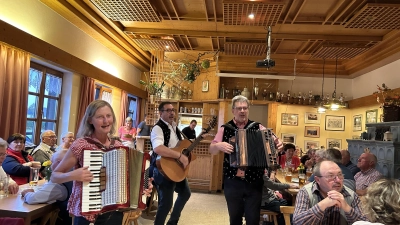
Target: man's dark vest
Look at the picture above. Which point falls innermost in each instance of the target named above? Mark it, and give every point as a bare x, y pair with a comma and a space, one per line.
167, 134
251, 171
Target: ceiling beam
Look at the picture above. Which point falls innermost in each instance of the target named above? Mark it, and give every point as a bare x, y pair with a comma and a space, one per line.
241, 35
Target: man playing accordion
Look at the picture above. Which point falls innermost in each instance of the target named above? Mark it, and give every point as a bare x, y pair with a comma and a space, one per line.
242, 187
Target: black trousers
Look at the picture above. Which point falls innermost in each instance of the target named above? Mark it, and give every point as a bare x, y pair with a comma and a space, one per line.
243, 197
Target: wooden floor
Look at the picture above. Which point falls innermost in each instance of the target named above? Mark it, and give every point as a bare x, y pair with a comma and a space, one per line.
201, 209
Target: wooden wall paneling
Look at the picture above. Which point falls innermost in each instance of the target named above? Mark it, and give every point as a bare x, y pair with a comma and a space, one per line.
369, 100
272, 115
213, 86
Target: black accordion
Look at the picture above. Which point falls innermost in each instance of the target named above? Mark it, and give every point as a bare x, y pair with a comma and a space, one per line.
252, 148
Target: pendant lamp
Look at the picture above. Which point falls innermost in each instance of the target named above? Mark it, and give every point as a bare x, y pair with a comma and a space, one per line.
320, 104
334, 104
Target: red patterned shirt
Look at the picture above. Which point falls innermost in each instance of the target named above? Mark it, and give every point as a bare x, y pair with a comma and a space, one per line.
74, 203
366, 178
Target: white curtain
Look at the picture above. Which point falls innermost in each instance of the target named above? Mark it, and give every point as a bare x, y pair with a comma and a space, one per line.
107, 96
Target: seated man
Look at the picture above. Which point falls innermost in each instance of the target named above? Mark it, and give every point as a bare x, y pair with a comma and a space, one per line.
327, 201
51, 192
189, 131
335, 156
347, 163
368, 173
12, 185
270, 200
45, 149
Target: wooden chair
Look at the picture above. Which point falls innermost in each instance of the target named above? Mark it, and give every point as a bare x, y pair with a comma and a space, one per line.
272, 216
287, 211
131, 216
152, 197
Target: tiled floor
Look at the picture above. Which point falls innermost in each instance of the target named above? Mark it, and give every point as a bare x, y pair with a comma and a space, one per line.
201, 209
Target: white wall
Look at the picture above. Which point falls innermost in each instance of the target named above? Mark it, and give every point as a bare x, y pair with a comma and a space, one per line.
366, 84
37, 19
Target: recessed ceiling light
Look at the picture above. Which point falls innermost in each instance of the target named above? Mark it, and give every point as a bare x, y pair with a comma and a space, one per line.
167, 46
251, 16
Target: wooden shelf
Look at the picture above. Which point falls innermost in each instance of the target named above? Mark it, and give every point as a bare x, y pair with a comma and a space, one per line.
190, 114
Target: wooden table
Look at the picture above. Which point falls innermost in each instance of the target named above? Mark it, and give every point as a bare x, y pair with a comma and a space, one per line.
14, 206
279, 177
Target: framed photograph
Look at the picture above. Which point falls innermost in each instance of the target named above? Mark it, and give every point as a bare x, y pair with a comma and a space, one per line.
310, 145
334, 123
289, 138
334, 143
313, 118
290, 119
357, 122
205, 86
311, 131
371, 116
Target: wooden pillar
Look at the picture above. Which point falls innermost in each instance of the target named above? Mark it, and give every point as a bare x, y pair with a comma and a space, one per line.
272, 115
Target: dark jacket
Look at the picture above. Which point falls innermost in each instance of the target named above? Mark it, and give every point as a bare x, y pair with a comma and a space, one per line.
12, 165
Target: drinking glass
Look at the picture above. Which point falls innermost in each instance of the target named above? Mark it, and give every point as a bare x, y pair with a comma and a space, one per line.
288, 177
309, 172
34, 177
302, 179
4, 186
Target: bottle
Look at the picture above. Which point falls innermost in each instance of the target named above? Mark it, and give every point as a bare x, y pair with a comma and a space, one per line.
222, 92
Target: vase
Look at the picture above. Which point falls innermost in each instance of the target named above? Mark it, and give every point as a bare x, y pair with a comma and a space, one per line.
151, 99
246, 93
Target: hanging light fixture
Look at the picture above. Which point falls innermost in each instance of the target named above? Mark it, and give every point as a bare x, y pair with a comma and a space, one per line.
334, 104
320, 104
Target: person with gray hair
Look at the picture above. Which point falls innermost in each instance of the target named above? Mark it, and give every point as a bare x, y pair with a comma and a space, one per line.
334, 155
12, 185
326, 201
46, 148
368, 173
127, 132
67, 139
242, 188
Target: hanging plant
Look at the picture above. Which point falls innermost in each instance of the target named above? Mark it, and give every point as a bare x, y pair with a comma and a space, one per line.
205, 64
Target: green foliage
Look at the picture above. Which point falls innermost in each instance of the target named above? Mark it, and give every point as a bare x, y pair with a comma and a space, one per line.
153, 87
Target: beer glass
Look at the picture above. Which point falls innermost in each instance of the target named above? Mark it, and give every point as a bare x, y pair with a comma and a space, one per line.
302, 179
309, 172
34, 177
288, 177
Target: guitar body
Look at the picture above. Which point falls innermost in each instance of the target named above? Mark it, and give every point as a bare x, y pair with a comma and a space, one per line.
171, 168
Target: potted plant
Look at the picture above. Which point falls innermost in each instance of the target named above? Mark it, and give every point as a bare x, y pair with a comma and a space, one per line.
390, 102
153, 88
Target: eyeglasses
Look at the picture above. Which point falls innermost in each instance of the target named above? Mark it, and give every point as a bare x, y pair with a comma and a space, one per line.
168, 110
241, 108
333, 177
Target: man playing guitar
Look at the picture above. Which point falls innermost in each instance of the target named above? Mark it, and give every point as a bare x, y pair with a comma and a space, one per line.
164, 136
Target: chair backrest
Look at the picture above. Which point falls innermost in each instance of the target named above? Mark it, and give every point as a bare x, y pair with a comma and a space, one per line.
287, 211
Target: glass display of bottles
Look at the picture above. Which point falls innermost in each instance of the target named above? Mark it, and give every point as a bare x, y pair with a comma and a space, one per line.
222, 92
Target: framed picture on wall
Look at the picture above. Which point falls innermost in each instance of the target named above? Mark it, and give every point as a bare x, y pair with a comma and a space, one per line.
334, 123
313, 118
310, 145
205, 86
333, 143
357, 122
311, 131
290, 119
371, 116
289, 138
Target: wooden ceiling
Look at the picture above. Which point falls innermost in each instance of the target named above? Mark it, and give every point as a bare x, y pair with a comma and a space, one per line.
358, 33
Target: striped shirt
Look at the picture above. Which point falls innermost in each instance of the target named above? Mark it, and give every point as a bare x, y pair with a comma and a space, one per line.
366, 178
303, 214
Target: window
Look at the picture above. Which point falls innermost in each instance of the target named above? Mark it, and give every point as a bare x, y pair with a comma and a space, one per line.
43, 101
103, 93
132, 105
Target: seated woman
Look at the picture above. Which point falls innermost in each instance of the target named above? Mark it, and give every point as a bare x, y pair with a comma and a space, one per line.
382, 203
17, 162
127, 132
289, 157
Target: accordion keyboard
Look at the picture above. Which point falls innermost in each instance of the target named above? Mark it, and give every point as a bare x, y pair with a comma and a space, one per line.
108, 186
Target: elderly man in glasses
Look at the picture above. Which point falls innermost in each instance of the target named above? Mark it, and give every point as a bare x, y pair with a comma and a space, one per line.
45, 149
326, 200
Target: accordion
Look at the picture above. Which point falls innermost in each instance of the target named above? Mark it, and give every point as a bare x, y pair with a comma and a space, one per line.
119, 180
255, 148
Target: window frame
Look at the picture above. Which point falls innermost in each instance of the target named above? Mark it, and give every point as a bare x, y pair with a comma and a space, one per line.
39, 114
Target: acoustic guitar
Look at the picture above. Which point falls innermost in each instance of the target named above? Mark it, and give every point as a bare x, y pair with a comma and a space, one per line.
172, 168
